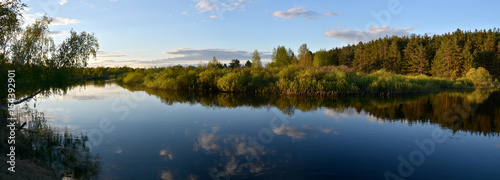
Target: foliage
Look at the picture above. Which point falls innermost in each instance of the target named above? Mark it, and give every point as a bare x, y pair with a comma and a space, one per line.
235, 63
305, 56
75, 50
292, 79
33, 53
256, 60
480, 76
446, 62
321, 58
214, 63
282, 57
231, 82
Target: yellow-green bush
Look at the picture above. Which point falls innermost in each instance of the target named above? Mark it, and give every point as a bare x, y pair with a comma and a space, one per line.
231, 82
479, 76
134, 78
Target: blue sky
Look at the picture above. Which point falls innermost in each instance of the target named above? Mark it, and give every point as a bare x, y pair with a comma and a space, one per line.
170, 32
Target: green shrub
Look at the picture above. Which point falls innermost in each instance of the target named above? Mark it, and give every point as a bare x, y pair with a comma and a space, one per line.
230, 82
134, 78
479, 76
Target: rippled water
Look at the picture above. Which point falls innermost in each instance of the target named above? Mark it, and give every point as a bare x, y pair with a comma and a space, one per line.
148, 134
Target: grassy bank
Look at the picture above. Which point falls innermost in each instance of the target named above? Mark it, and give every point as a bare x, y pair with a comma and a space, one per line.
293, 79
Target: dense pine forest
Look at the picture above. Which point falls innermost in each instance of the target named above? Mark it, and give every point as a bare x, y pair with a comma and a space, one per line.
448, 56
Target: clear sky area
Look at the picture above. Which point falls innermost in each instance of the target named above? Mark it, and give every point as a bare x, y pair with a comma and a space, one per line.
169, 32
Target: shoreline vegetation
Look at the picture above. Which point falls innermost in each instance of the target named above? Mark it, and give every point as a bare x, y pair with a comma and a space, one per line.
291, 80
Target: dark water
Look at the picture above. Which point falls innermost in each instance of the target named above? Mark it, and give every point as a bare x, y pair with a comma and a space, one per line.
148, 134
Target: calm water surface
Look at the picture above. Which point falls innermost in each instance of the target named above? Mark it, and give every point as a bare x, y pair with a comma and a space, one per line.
147, 134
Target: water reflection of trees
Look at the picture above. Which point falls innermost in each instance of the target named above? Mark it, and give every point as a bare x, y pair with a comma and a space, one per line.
44, 153
474, 112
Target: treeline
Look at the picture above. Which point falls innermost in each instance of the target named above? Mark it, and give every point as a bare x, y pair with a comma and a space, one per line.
448, 56
100, 72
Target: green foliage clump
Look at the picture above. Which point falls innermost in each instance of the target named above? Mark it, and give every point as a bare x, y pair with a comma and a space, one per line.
231, 82
136, 77
479, 76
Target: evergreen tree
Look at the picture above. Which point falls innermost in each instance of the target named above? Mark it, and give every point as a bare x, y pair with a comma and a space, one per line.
394, 61
467, 58
214, 63
416, 56
446, 62
248, 64
360, 61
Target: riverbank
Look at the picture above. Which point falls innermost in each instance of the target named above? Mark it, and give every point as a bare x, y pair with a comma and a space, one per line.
291, 80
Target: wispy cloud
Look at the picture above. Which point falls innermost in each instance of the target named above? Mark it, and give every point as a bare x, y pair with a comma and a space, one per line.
219, 7
57, 21
185, 13
375, 32
300, 133
214, 16
301, 12
111, 54
63, 21
339, 115
114, 63
62, 2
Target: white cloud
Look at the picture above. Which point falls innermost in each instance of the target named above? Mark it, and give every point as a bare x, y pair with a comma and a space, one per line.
342, 114
185, 13
109, 54
57, 21
187, 56
220, 6
62, 2
63, 21
208, 142
214, 16
300, 12
224, 5
292, 132
375, 32
372, 118
167, 155
300, 133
